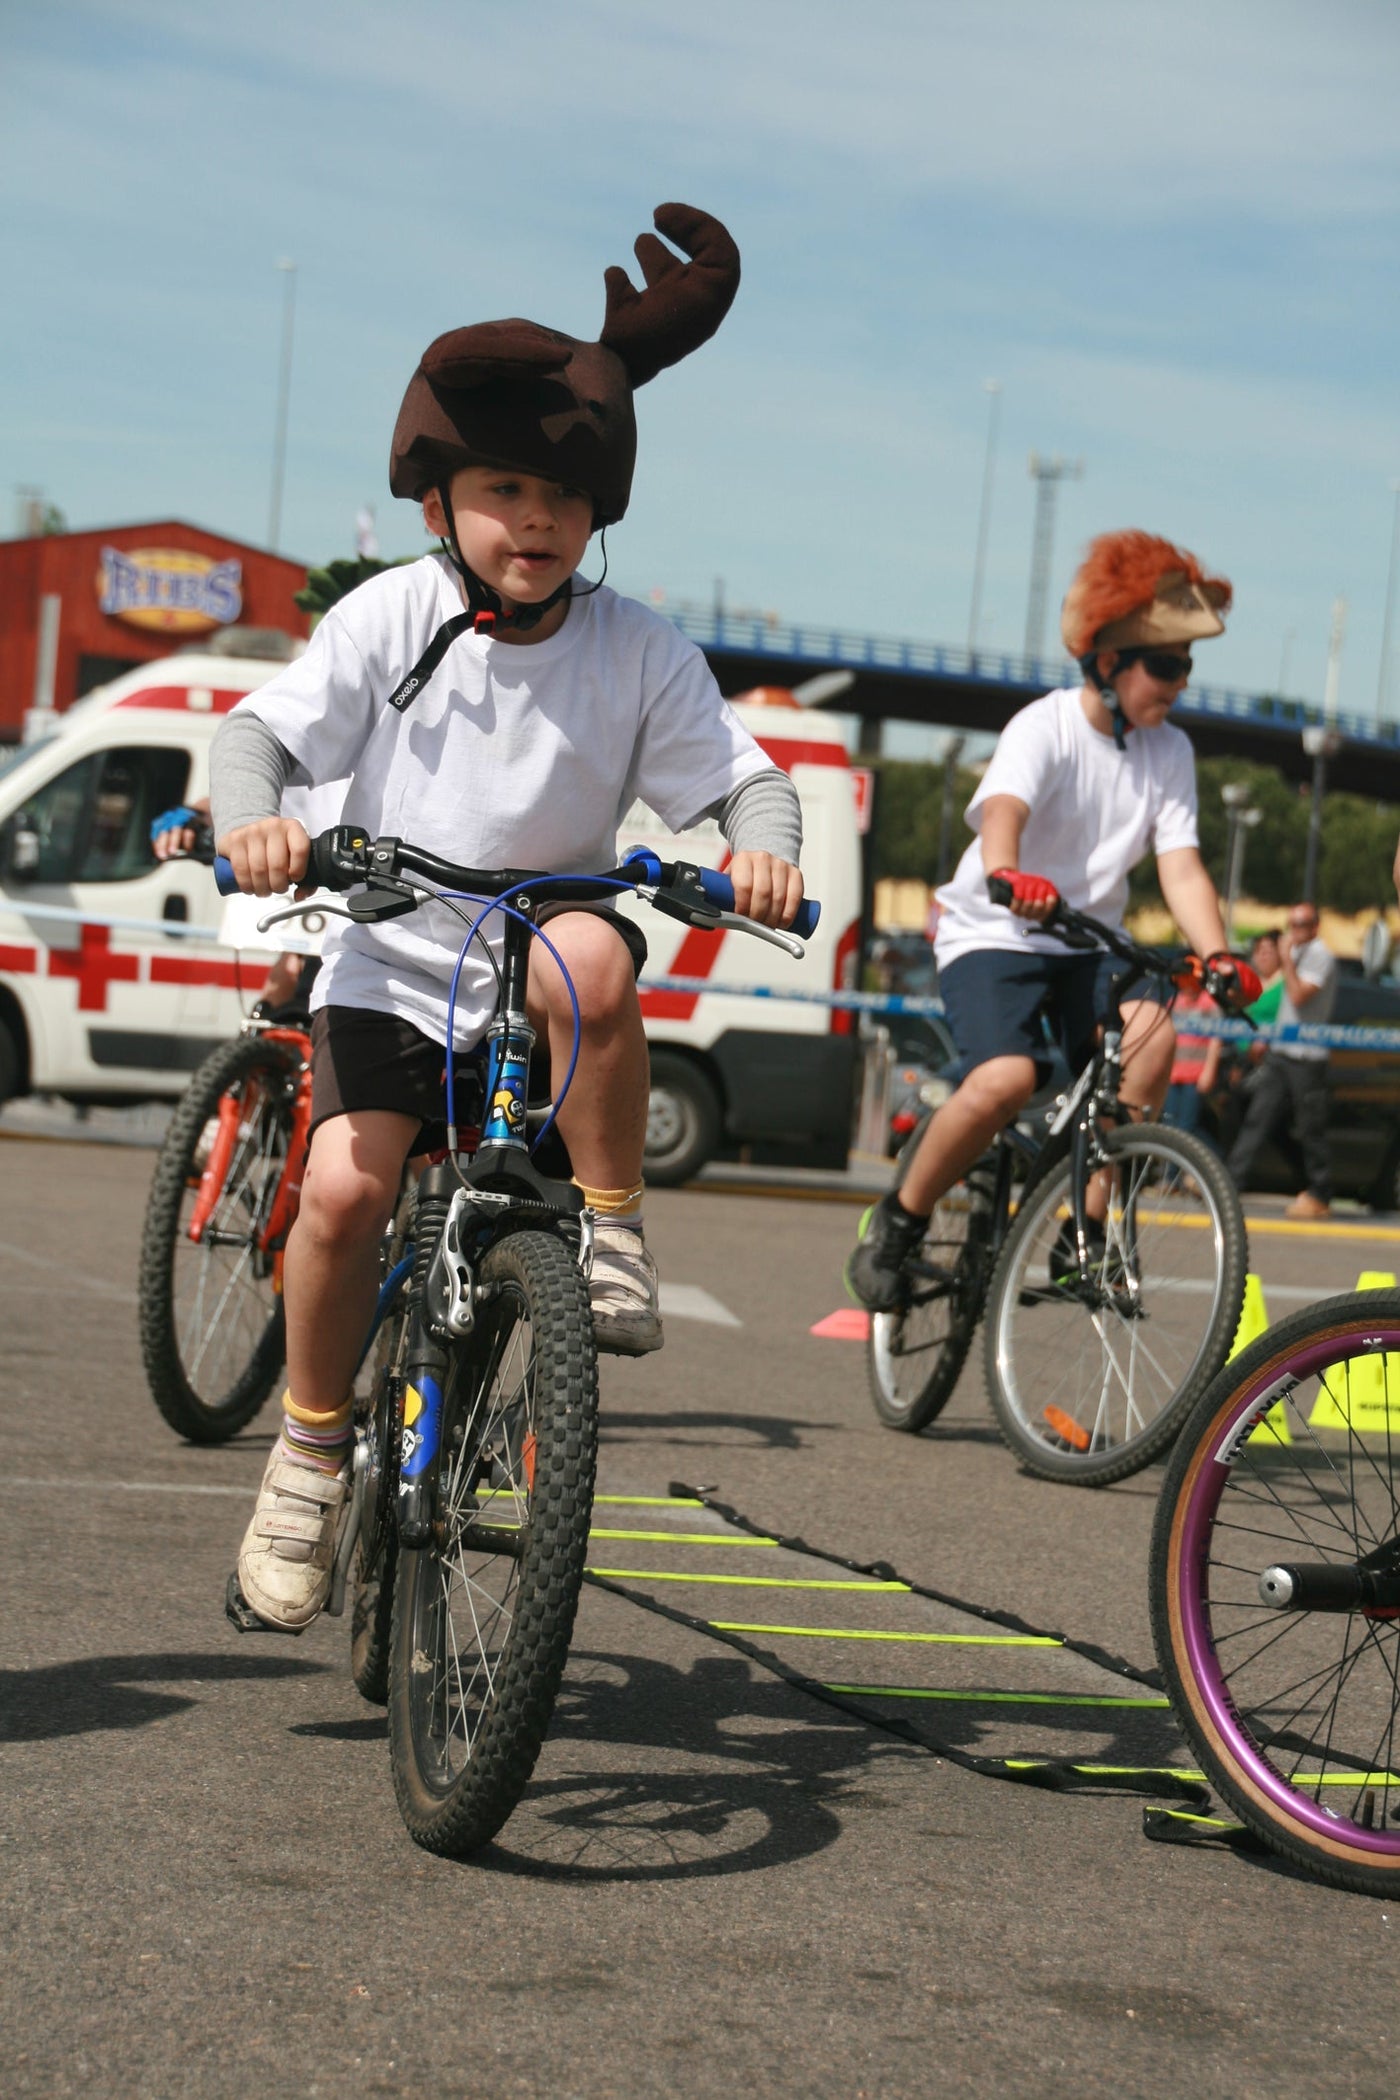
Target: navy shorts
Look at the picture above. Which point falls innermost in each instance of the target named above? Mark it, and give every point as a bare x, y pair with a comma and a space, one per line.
998, 1001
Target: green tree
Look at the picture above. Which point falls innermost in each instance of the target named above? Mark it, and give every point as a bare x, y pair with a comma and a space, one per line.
909, 815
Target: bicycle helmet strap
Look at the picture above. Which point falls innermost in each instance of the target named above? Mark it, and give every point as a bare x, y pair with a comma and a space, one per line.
484, 615
487, 614
1108, 693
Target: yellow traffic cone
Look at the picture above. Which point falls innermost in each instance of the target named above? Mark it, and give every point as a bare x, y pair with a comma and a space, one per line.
1254, 1321
1362, 1393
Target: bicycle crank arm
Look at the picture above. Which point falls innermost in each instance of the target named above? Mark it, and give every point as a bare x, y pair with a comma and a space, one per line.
348, 1537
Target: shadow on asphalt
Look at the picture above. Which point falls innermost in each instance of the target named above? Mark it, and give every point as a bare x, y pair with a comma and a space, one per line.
722, 1772
112, 1691
774, 1432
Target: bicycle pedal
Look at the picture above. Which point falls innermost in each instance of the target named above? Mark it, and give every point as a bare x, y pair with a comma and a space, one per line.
240, 1613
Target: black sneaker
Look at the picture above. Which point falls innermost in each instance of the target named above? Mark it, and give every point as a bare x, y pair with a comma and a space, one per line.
875, 1267
1064, 1255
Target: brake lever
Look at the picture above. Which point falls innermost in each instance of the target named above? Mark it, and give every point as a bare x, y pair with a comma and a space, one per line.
711, 920
775, 936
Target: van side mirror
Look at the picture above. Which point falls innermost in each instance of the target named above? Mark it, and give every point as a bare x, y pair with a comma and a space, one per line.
22, 847
1376, 949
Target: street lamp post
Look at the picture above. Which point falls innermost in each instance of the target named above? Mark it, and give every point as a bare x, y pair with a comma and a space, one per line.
1320, 744
1240, 820
288, 270
1383, 682
992, 388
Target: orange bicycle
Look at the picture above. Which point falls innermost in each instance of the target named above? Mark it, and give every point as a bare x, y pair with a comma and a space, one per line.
223, 1198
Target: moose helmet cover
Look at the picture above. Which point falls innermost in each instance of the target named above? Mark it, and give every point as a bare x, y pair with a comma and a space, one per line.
518, 395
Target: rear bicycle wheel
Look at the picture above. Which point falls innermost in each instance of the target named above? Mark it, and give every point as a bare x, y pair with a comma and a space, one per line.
915, 1354
1090, 1377
210, 1317
378, 1430
483, 1615
1288, 1683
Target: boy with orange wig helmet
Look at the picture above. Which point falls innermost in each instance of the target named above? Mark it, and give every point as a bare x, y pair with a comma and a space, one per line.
1082, 784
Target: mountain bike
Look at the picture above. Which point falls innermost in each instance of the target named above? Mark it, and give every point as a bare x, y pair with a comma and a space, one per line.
476, 1442
1098, 1337
1275, 1588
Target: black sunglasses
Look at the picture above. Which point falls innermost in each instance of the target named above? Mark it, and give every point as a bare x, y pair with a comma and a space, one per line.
1164, 664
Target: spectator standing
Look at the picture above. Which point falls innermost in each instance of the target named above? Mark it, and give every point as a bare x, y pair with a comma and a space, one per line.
1196, 1065
1290, 1087
1265, 957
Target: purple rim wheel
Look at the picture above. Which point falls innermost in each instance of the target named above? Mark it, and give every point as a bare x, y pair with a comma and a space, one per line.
1217, 1482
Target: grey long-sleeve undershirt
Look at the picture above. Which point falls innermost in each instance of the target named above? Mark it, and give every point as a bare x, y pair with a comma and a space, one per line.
249, 767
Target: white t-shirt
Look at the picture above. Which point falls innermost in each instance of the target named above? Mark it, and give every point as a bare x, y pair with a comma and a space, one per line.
1094, 812
510, 755
1316, 965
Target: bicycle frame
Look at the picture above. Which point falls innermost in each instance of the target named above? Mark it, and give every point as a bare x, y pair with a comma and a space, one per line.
233, 1109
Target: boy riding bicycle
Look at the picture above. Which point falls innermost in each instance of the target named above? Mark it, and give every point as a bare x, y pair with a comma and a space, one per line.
484, 703
1081, 785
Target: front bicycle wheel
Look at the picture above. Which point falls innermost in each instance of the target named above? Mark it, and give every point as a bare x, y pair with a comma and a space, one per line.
482, 1616
1275, 1582
210, 1315
914, 1354
1091, 1374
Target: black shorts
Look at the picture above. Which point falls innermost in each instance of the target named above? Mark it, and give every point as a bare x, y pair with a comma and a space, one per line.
361, 1059
998, 1000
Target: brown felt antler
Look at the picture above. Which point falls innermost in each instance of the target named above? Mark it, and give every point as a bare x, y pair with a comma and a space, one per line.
684, 302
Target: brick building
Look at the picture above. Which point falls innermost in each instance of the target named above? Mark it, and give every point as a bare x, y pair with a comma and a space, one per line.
124, 596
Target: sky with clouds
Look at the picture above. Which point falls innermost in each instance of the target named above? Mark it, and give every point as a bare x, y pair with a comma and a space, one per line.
1171, 235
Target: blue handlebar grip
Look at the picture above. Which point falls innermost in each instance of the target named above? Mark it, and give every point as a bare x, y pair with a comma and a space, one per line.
720, 890
224, 876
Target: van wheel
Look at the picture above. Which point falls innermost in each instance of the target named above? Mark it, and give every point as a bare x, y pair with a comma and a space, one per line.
9, 1064
683, 1121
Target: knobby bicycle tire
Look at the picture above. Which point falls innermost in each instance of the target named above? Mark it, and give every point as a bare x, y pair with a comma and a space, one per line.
211, 1324
1289, 1460
481, 1633
915, 1355
1091, 1381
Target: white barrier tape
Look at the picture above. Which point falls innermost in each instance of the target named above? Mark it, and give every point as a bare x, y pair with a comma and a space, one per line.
1324, 1035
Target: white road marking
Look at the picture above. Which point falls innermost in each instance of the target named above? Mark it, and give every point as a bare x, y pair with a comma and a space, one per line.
686, 1301
92, 1286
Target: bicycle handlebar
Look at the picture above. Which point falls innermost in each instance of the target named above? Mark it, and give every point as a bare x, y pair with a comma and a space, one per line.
1077, 929
344, 859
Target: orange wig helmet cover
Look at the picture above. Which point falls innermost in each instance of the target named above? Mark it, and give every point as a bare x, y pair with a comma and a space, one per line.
1132, 587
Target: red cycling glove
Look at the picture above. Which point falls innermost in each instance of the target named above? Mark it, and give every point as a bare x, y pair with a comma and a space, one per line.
1015, 886
1246, 986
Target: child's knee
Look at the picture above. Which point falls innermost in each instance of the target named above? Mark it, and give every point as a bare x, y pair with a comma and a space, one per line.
345, 1196
1001, 1085
598, 963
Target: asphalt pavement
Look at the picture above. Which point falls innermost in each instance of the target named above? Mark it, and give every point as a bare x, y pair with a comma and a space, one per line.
717, 1880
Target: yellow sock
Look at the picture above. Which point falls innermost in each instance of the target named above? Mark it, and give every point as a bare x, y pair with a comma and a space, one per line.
622, 1206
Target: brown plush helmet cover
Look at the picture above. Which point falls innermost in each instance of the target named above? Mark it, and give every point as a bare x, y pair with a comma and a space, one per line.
514, 394
1133, 591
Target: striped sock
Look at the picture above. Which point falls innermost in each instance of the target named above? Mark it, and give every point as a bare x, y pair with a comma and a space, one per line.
322, 1441
618, 1206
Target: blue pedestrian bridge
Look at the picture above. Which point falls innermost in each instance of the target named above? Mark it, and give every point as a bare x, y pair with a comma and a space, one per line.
898, 681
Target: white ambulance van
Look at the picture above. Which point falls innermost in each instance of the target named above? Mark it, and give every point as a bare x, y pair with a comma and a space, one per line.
113, 986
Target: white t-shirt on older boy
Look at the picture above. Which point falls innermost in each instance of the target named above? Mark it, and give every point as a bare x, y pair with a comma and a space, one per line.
509, 755
1094, 812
